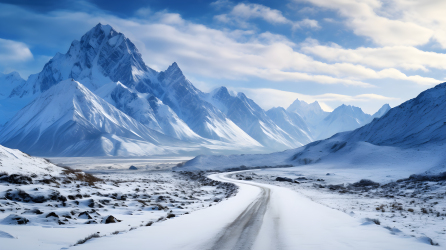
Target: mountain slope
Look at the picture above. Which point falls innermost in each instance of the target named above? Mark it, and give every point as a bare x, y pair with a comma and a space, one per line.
201, 116
148, 110
419, 121
69, 119
12, 162
291, 123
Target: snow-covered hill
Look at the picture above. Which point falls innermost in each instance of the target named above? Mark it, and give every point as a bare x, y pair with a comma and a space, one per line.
13, 161
418, 122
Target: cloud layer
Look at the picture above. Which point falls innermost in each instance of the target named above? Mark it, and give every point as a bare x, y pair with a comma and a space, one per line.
233, 47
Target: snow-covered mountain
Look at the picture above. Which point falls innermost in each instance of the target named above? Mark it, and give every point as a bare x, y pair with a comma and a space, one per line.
312, 113
343, 118
69, 120
247, 115
102, 55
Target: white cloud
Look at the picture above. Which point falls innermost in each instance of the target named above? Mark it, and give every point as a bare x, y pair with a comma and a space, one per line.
308, 23
241, 13
374, 19
12, 51
404, 57
203, 51
144, 12
219, 4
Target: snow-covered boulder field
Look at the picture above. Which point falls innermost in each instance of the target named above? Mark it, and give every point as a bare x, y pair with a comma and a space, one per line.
38, 197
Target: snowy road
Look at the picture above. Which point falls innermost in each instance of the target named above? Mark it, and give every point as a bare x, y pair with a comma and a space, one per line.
243, 231
260, 217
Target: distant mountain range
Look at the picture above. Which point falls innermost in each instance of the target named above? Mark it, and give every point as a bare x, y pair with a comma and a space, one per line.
407, 139
101, 99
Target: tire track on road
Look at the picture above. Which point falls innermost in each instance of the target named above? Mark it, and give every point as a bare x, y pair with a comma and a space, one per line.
242, 232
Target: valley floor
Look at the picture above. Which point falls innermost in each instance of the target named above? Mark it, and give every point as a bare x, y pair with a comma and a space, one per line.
262, 216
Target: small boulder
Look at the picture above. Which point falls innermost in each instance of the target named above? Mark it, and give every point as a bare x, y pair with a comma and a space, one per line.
284, 179
14, 219
52, 214
133, 168
301, 178
19, 179
110, 219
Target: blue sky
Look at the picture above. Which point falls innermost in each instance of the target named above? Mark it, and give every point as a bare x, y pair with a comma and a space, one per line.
359, 52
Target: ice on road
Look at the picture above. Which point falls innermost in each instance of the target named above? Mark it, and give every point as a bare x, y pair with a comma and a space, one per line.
260, 217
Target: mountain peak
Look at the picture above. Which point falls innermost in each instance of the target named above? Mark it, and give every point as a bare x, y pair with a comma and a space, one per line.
315, 105
220, 91
14, 75
174, 68
173, 73
382, 111
103, 28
